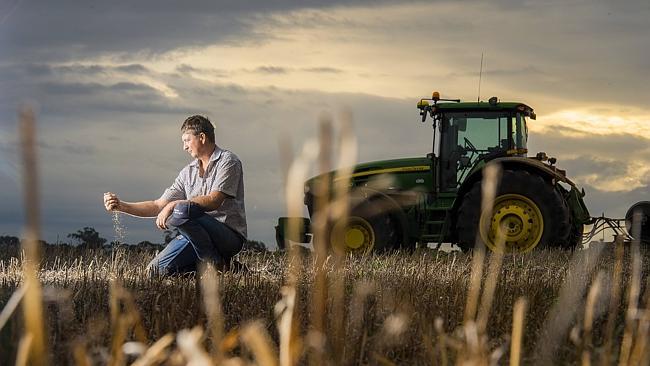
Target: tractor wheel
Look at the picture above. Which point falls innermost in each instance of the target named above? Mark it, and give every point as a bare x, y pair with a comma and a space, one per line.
528, 213
575, 237
368, 229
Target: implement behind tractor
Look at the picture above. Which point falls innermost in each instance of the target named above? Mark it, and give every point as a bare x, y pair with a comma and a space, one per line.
437, 198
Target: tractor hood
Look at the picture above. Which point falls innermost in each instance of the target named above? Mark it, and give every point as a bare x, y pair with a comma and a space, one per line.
393, 166
419, 166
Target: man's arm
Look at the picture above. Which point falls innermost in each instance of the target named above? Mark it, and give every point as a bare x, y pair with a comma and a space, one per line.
140, 209
211, 201
208, 202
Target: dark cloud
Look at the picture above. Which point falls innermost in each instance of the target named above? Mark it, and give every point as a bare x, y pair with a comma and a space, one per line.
185, 68
272, 70
64, 89
565, 140
56, 96
603, 167
323, 70
133, 69
188, 69
614, 204
72, 29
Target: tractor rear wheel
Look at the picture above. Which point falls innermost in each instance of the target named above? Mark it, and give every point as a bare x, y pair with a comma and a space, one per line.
528, 213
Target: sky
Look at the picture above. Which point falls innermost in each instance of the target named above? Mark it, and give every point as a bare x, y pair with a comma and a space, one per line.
111, 83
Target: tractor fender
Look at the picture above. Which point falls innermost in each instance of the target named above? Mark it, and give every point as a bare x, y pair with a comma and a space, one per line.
390, 202
514, 163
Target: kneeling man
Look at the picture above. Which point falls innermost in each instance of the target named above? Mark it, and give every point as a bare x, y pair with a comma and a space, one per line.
205, 203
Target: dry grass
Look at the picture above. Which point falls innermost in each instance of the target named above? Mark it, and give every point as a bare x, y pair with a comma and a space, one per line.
391, 305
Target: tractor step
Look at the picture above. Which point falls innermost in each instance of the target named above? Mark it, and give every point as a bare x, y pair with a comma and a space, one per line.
431, 238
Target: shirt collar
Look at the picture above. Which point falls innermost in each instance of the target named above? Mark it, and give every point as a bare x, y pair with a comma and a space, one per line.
216, 154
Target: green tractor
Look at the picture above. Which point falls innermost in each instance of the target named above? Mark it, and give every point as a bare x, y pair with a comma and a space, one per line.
437, 198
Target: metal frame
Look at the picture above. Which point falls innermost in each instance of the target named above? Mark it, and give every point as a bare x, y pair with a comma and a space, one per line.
602, 223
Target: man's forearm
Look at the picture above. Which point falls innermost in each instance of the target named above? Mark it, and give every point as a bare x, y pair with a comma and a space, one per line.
141, 209
210, 202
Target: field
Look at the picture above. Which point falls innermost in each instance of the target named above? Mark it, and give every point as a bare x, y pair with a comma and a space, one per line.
418, 308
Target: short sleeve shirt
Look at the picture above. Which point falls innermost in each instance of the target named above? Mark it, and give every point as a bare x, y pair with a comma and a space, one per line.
224, 174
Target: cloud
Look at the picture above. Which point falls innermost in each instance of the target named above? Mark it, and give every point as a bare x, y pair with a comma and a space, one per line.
569, 142
323, 70
614, 204
607, 162
272, 70
196, 72
84, 90
133, 69
76, 29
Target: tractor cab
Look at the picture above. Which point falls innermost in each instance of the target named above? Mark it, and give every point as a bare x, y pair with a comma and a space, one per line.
467, 135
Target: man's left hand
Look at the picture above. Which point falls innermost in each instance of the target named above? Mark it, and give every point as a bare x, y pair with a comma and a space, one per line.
161, 219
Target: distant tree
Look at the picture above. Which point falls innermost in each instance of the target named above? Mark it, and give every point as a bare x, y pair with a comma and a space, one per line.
255, 246
9, 240
170, 234
88, 237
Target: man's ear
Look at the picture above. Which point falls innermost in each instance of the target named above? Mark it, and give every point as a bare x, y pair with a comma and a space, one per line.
203, 137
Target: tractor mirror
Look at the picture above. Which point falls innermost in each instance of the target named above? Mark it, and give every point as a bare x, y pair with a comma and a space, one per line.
461, 123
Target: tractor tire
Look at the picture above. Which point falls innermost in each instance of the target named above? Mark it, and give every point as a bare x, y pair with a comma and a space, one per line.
368, 229
575, 237
528, 213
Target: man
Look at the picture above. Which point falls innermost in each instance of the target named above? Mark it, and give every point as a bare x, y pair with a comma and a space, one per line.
205, 203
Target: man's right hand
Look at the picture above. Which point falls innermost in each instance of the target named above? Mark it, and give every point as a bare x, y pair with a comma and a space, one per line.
111, 202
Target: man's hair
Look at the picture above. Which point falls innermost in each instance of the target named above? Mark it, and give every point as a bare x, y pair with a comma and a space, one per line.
197, 124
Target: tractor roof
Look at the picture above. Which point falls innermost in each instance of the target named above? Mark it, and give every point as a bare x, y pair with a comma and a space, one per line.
483, 106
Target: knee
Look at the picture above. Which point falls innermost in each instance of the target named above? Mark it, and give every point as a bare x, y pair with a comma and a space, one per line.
184, 212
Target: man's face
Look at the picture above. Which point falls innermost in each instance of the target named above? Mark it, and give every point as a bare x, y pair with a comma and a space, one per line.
193, 143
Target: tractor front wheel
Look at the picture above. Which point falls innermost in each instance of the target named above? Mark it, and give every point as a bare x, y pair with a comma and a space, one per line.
368, 229
527, 213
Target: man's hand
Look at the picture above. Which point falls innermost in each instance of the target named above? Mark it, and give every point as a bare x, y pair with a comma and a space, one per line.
111, 202
161, 219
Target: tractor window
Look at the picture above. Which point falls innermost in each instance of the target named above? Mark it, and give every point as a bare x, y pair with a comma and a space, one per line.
520, 132
468, 136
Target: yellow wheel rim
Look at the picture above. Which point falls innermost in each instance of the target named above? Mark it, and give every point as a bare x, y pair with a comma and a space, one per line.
515, 225
355, 236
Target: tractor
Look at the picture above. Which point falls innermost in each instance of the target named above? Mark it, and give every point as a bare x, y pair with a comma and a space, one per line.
437, 198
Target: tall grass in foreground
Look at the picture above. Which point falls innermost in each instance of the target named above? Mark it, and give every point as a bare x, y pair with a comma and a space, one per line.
324, 307
406, 309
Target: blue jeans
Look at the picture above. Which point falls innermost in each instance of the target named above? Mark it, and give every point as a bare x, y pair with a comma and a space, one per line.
201, 239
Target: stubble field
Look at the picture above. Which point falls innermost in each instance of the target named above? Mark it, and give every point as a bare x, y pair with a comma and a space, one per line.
420, 308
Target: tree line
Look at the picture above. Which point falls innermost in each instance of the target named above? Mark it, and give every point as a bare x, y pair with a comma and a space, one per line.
88, 237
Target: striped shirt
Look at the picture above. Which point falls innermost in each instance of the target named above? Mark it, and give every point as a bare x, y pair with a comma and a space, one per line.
224, 174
